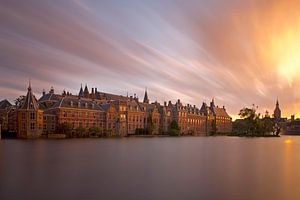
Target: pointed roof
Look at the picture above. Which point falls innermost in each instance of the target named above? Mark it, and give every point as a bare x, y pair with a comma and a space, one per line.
146, 99
80, 92
86, 91
4, 104
30, 101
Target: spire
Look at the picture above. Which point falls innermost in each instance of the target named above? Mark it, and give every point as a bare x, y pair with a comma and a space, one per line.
86, 91
29, 84
146, 99
277, 111
30, 101
212, 103
80, 91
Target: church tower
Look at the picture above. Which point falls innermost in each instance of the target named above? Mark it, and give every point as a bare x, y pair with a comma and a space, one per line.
146, 99
30, 117
277, 111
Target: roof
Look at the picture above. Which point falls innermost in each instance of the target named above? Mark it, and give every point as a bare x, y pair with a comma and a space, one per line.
30, 101
72, 102
220, 112
50, 97
4, 104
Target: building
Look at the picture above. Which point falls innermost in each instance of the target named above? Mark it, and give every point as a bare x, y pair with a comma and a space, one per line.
30, 117
277, 112
111, 115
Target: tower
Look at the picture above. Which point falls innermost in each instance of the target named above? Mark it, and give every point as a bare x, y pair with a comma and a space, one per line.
86, 92
277, 111
80, 92
30, 117
146, 99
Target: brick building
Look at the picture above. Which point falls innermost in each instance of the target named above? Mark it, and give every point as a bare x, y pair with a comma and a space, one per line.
114, 115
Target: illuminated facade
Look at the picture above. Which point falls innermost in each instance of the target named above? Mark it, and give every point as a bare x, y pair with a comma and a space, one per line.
114, 115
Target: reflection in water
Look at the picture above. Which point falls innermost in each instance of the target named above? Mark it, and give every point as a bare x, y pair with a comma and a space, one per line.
151, 168
288, 141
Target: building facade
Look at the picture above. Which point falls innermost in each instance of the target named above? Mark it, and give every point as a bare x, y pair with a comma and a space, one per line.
113, 115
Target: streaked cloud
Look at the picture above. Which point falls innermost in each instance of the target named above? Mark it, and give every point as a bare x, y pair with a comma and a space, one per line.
239, 52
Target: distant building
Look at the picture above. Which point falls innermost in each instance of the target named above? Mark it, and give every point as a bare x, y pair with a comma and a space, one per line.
113, 115
277, 112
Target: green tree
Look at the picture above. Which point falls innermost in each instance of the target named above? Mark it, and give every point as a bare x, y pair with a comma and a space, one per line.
80, 131
64, 128
150, 126
174, 129
252, 123
95, 131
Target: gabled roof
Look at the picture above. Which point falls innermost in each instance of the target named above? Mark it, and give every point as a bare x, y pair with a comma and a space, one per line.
4, 104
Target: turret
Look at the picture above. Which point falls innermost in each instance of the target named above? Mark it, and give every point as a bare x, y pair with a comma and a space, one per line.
277, 111
86, 91
146, 99
80, 92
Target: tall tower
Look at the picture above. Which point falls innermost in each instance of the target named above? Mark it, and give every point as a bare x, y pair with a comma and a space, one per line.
86, 92
277, 111
80, 92
30, 117
146, 99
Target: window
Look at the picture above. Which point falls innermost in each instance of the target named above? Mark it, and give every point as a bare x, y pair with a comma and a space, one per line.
23, 115
32, 126
32, 116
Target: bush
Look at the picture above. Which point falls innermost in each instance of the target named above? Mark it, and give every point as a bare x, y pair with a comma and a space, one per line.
174, 129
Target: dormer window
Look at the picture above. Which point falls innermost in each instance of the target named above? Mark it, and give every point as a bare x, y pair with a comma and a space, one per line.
71, 103
86, 105
78, 104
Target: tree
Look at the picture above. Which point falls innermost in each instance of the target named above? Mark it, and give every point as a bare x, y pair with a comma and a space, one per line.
150, 126
80, 131
64, 128
214, 129
252, 123
174, 129
95, 131
20, 100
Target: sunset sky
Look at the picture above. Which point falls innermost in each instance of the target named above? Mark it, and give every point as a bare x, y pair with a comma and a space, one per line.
239, 52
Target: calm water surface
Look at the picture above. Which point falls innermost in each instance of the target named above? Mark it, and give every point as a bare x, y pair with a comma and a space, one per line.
151, 168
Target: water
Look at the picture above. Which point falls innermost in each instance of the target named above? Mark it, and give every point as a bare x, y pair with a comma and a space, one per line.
151, 168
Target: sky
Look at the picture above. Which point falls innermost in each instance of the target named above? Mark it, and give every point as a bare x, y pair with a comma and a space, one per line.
239, 52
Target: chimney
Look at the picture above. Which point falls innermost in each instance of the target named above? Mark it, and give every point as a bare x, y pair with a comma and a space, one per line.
93, 91
292, 117
178, 100
44, 92
165, 103
96, 91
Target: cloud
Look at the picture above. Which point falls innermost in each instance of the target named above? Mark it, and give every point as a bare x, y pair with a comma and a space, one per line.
240, 52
